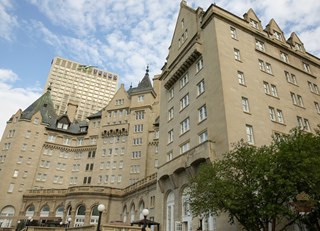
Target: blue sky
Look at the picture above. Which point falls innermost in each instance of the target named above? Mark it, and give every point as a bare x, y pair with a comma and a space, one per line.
122, 36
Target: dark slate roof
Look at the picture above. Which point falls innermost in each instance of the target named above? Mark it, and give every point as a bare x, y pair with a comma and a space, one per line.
143, 86
74, 128
95, 115
43, 104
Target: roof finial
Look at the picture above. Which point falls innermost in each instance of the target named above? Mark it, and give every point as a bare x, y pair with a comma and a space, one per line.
147, 70
49, 87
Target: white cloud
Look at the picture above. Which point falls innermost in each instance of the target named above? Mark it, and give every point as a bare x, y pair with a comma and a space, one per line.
126, 35
13, 99
8, 21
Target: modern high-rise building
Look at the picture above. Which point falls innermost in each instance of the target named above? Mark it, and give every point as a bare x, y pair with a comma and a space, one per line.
226, 78
85, 88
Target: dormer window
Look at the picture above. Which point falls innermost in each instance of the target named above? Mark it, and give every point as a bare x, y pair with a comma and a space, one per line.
62, 126
83, 129
260, 45
277, 35
254, 24
298, 47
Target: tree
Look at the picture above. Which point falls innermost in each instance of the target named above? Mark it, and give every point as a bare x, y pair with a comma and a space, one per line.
259, 186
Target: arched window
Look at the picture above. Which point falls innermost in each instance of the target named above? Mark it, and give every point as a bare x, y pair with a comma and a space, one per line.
94, 215
141, 207
124, 215
8, 211
30, 211
132, 213
45, 211
59, 211
170, 212
80, 215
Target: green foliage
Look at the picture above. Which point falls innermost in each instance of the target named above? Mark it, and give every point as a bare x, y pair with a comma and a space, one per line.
258, 185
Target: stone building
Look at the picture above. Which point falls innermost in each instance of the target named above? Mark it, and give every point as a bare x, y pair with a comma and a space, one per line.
226, 78
60, 168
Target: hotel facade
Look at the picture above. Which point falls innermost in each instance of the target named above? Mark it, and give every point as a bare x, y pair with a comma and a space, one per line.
225, 78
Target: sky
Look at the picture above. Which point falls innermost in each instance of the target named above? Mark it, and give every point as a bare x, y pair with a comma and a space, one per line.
121, 36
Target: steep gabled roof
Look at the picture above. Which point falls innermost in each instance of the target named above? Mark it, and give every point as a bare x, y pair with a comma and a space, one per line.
44, 105
144, 86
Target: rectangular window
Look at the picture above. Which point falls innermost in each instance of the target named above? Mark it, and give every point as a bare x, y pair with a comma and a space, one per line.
185, 126
291, 78
200, 87
79, 141
268, 68
277, 36
249, 131
93, 140
15, 173
139, 115
272, 114
280, 116
138, 128
67, 141
184, 147
199, 65
237, 54
170, 114
262, 65
300, 101
297, 99
203, 136
284, 57
303, 124
24, 147
260, 45
306, 67
245, 104
298, 47
170, 93
91, 154
12, 132
184, 80
136, 154
51, 138
293, 98
184, 102
137, 141
202, 111
11, 187
233, 32
169, 156
170, 136
317, 106
313, 88
266, 88
274, 91
241, 78
254, 23
140, 98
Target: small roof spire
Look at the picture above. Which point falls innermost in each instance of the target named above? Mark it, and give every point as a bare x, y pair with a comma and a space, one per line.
49, 87
147, 70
